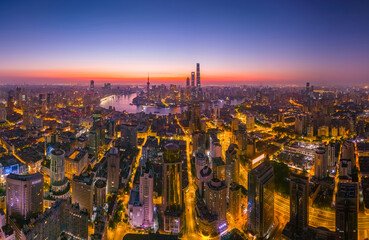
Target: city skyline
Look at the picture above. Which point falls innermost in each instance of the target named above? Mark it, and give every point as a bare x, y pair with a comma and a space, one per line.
243, 42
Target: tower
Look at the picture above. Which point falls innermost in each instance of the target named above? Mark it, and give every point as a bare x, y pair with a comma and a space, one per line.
188, 82
192, 79
260, 206
92, 85
198, 83
148, 86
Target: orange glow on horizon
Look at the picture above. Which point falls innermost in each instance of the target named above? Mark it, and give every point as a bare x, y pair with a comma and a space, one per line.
154, 77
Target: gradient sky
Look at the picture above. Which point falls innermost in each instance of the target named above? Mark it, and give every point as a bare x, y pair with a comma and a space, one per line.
55, 41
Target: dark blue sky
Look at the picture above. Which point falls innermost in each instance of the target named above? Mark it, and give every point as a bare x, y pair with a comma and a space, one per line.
284, 41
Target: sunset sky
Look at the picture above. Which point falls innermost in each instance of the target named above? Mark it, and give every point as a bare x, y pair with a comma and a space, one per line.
63, 41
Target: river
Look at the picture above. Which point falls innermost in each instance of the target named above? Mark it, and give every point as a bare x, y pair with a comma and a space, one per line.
123, 103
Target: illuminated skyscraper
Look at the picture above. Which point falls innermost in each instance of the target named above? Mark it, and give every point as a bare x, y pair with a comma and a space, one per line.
235, 200
24, 195
58, 182
83, 191
321, 162
100, 193
192, 79
260, 206
299, 204
172, 188
2, 113
113, 161
232, 165
148, 87
347, 209
215, 198
146, 195
57, 166
92, 85
198, 82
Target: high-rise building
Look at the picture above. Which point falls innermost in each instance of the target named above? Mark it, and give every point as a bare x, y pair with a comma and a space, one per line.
113, 161
57, 166
61, 217
146, 195
82, 191
235, 200
172, 188
200, 162
198, 82
192, 79
129, 134
58, 182
187, 82
172, 182
332, 159
206, 175
348, 151
260, 206
92, 85
299, 204
232, 165
216, 198
347, 209
100, 193
10, 103
321, 162
148, 87
24, 195
2, 113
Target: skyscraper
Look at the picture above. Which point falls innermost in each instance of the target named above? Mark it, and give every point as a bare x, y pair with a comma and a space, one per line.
172, 188
206, 174
200, 162
58, 182
232, 165
83, 192
235, 200
148, 87
215, 198
299, 204
321, 162
24, 195
100, 193
57, 166
260, 206
92, 85
146, 195
198, 82
113, 161
192, 79
187, 82
347, 209
129, 134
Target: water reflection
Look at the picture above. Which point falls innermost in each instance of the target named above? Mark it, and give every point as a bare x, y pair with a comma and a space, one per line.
124, 103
